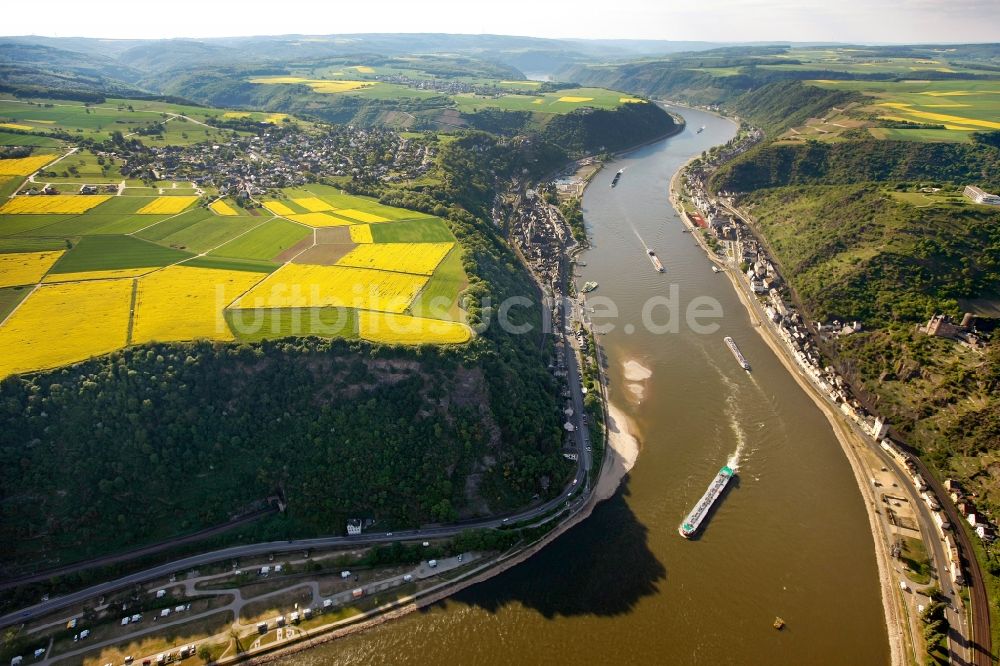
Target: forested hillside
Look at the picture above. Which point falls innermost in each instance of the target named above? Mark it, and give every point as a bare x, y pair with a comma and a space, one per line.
859, 252
860, 161
160, 440
776, 106
585, 131
890, 257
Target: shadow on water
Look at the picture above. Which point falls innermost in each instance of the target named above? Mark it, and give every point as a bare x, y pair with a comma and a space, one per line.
602, 567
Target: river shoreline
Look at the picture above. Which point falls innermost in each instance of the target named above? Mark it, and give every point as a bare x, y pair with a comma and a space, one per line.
848, 440
622, 452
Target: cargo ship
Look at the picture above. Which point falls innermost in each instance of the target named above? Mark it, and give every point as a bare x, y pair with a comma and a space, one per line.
656, 261
614, 181
588, 287
737, 353
704, 505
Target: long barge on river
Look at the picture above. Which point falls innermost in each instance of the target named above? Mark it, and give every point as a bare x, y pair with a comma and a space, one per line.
704, 505
656, 261
737, 353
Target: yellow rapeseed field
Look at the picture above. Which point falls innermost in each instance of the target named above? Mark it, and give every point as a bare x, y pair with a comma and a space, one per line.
279, 79
361, 216
303, 286
361, 233
236, 114
166, 205
319, 220
940, 117
15, 126
313, 204
364, 69
186, 303
338, 86
420, 258
68, 204
278, 208
901, 119
24, 166
275, 118
571, 98
25, 267
220, 207
630, 100
403, 329
65, 323
98, 275
318, 85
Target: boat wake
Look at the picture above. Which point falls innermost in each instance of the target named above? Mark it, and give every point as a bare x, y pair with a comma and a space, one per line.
734, 415
740, 435
636, 232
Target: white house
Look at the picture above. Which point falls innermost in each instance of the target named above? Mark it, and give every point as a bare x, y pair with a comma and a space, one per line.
981, 197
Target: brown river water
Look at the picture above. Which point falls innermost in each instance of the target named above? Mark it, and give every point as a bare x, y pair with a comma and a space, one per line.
789, 538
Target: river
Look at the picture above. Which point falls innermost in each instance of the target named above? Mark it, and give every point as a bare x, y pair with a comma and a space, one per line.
790, 537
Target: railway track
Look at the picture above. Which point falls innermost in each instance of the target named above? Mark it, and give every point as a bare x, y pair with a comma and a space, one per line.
980, 639
980, 643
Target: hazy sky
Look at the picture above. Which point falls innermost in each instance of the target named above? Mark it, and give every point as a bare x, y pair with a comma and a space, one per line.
711, 20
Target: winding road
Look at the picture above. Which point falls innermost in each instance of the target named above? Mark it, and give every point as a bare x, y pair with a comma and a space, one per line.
580, 479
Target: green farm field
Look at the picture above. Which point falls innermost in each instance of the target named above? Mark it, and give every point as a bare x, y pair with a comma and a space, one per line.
231, 264
19, 139
12, 225
439, 297
77, 225
100, 253
9, 185
100, 120
9, 299
429, 230
196, 230
265, 241
271, 324
920, 135
31, 244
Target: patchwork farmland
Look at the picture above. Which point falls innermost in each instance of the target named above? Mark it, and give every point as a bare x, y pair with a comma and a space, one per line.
160, 123
409, 79
558, 102
82, 275
938, 98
